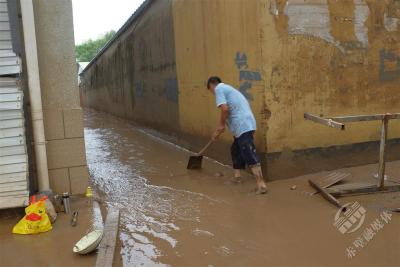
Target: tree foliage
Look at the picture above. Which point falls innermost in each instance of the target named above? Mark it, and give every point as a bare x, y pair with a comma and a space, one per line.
88, 50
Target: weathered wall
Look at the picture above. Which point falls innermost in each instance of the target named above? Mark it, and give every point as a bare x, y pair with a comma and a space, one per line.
331, 58
217, 38
287, 57
60, 96
136, 77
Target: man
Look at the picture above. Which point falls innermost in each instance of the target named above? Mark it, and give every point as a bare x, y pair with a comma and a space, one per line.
237, 115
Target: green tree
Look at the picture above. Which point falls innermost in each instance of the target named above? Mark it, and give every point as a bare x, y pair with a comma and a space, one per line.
88, 50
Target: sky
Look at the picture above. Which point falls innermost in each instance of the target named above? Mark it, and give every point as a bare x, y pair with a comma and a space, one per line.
93, 18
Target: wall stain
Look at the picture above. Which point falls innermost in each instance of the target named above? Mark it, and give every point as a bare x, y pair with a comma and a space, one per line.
171, 90
389, 67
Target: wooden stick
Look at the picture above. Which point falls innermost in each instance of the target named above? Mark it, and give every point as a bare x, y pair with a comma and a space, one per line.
382, 163
358, 118
327, 122
205, 148
326, 195
105, 256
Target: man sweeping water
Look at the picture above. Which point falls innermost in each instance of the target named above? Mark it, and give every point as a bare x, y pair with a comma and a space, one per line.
237, 115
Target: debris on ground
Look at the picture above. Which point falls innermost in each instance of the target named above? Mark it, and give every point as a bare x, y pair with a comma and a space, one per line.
74, 218
88, 243
36, 219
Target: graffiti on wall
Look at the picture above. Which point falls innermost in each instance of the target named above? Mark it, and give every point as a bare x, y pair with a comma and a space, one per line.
389, 67
139, 89
171, 90
246, 76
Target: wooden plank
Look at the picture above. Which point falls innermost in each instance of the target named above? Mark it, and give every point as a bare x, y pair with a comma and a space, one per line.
97, 217
362, 190
323, 121
325, 194
358, 118
382, 155
105, 256
329, 180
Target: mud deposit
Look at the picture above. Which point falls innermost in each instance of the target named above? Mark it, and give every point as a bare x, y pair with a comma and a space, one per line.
171, 216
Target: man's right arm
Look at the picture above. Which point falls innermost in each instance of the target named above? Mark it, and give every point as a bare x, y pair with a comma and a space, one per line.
222, 121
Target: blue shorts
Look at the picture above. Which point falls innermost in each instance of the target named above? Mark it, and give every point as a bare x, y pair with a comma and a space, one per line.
243, 151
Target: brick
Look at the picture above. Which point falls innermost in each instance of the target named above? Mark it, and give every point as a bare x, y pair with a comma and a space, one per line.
79, 177
66, 153
59, 181
53, 124
73, 123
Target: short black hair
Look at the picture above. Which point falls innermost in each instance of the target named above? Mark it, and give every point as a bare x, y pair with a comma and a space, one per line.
213, 80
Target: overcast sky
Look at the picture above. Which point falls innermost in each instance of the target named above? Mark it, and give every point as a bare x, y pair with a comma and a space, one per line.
92, 18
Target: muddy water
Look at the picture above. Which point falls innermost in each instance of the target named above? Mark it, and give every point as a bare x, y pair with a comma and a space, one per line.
174, 217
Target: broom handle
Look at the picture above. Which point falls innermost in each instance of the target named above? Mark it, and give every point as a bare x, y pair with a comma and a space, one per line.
205, 147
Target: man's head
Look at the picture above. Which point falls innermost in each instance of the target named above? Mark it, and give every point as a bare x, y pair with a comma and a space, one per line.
212, 82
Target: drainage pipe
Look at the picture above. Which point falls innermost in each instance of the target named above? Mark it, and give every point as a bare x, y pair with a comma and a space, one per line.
35, 95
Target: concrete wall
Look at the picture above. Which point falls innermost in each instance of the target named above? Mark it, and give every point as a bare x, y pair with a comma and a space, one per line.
60, 96
136, 77
330, 58
287, 57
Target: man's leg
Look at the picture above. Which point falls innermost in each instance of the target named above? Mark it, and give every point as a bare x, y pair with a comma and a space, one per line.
257, 172
249, 154
237, 161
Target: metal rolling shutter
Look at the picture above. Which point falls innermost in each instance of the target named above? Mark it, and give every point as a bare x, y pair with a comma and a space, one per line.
14, 190
9, 61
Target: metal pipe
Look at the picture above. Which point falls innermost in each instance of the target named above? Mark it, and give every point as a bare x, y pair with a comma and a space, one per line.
382, 163
35, 95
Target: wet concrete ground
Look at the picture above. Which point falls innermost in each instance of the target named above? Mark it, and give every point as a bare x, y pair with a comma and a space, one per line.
50, 249
172, 216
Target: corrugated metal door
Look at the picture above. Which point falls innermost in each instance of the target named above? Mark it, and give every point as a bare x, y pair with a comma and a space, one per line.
9, 61
13, 153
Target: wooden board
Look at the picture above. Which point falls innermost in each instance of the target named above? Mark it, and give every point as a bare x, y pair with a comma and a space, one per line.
330, 179
105, 256
355, 189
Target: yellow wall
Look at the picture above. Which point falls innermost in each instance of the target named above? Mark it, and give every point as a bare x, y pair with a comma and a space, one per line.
289, 57
330, 67
208, 36
333, 69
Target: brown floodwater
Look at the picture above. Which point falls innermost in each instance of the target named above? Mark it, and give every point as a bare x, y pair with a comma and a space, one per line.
174, 217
